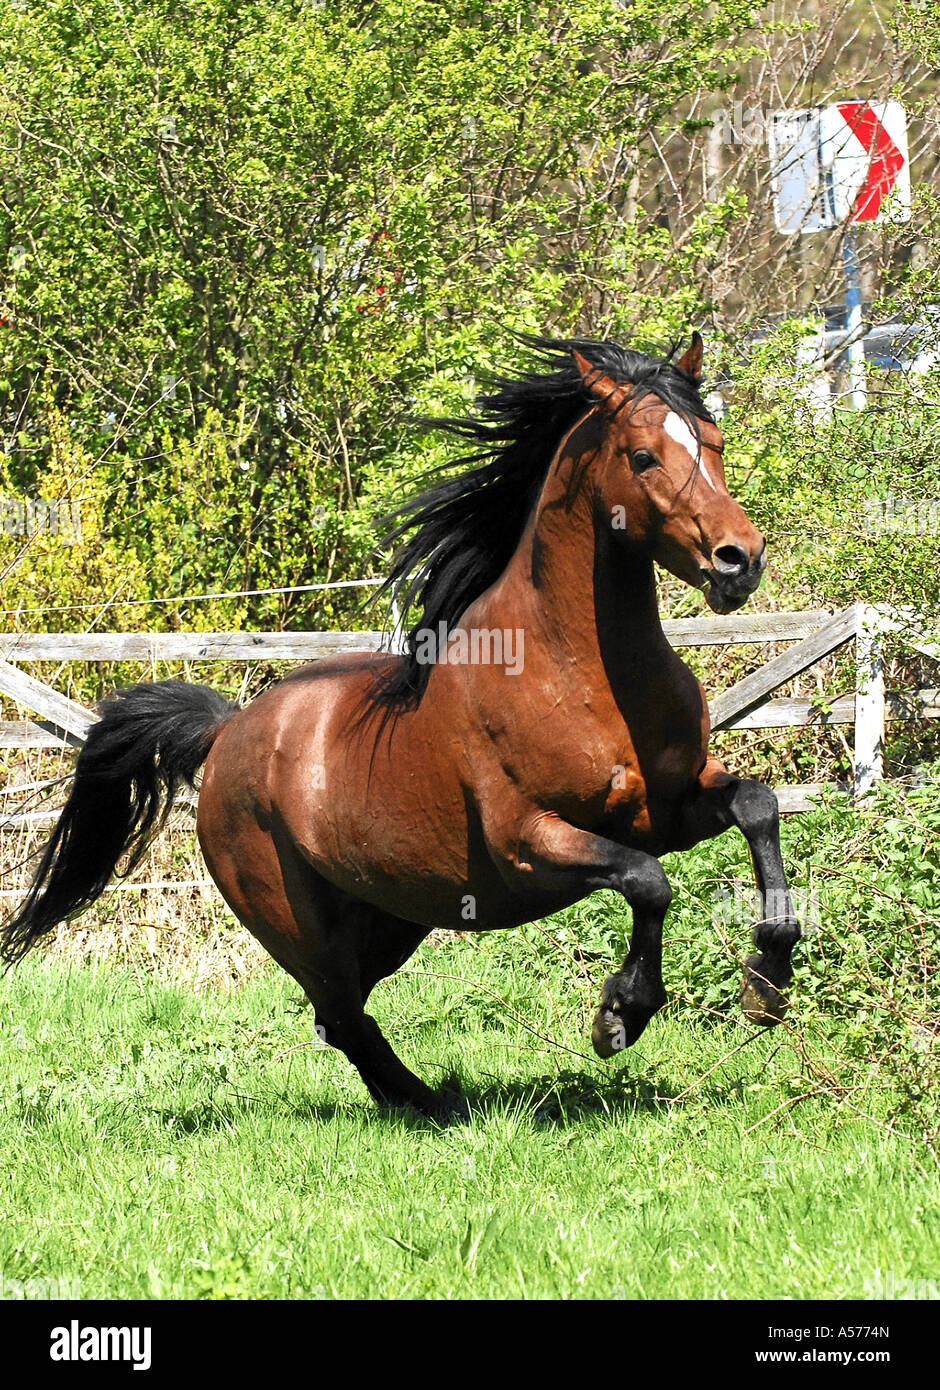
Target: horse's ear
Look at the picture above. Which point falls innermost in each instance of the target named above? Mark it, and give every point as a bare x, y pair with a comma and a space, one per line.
610, 394
691, 359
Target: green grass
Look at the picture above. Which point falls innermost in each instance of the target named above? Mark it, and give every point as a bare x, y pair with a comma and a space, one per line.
156, 1142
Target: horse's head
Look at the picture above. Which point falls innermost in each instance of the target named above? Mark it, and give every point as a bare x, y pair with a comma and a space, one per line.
662, 489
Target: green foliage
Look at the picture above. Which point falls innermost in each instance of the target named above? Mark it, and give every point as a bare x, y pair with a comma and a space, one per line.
917, 25
850, 501
46, 573
251, 233
867, 884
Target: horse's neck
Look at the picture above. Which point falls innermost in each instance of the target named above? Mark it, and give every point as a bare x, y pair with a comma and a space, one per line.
592, 601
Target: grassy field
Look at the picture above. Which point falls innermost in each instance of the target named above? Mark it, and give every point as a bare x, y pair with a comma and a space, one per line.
162, 1140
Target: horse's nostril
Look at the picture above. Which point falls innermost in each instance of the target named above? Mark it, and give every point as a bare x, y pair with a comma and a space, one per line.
731, 560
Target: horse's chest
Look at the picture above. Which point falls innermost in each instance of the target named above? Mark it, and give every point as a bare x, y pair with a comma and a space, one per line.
639, 797
604, 769
650, 780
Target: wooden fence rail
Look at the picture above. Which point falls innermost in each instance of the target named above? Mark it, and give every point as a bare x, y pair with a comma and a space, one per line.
814, 635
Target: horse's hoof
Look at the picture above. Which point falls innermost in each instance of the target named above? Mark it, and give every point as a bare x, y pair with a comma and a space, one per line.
761, 1002
624, 1012
608, 1034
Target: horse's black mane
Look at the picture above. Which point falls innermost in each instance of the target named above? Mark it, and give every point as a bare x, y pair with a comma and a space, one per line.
466, 528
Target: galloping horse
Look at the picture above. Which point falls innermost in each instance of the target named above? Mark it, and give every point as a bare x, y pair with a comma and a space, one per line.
365, 800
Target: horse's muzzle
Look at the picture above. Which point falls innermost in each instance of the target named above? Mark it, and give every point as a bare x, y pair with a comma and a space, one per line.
732, 578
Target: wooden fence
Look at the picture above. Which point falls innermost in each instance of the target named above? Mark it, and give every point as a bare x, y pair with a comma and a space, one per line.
749, 704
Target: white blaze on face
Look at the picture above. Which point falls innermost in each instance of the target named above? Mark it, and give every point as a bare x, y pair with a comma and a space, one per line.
677, 429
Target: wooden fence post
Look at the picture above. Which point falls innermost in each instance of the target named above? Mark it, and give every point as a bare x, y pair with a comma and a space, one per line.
869, 702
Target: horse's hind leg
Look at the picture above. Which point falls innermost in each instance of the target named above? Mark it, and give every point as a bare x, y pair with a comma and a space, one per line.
384, 944
367, 945
335, 946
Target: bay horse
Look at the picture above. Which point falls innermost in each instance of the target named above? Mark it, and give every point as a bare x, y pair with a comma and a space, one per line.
365, 800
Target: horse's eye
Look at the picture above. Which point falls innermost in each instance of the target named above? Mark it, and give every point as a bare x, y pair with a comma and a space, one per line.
642, 460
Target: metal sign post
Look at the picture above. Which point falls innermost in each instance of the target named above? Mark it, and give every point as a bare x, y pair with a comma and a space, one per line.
855, 348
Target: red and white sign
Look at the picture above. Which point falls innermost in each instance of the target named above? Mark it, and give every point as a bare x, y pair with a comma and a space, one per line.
839, 163
863, 151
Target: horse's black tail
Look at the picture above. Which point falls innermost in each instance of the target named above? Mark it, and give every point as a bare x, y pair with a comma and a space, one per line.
149, 739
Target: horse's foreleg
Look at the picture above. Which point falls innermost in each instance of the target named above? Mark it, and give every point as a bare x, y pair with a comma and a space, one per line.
722, 800
557, 855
